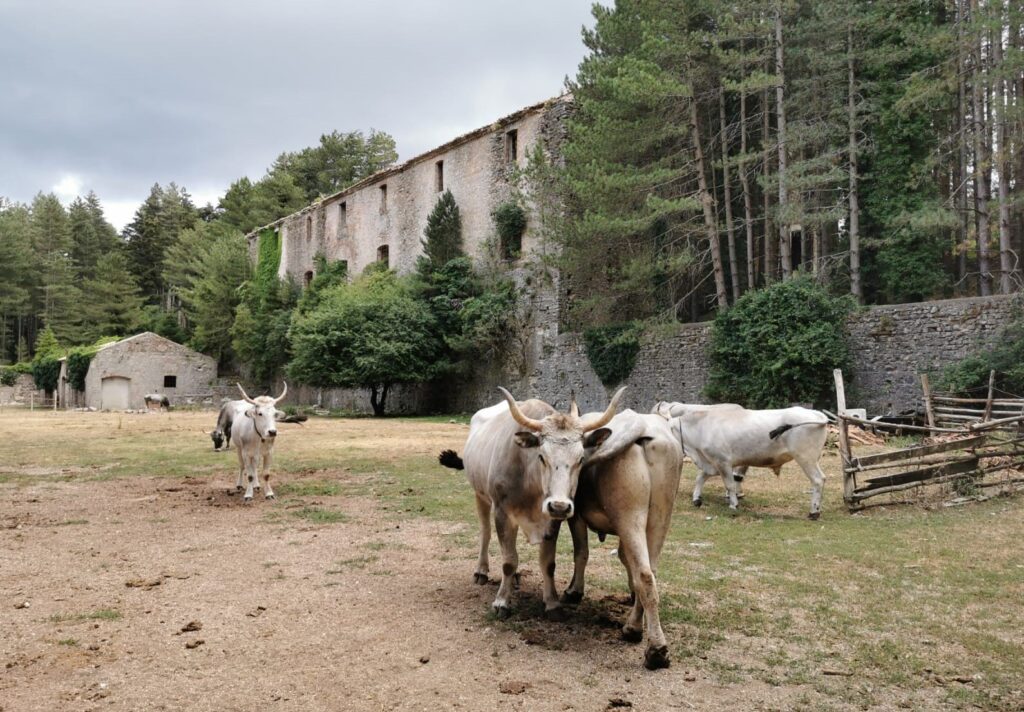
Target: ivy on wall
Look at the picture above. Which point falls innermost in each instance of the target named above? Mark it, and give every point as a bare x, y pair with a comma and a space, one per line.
612, 351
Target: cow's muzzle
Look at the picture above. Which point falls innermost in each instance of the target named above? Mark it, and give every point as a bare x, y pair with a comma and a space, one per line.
558, 508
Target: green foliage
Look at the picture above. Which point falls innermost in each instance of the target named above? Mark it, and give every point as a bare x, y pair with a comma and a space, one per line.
370, 334
327, 274
779, 346
155, 227
510, 224
442, 237
8, 376
1005, 357
340, 159
46, 362
612, 351
111, 299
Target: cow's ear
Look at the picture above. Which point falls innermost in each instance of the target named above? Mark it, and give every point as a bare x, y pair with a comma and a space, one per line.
280, 414
594, 439
524, 438
249, 412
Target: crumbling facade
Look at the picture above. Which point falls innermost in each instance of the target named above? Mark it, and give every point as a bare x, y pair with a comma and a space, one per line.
382, 218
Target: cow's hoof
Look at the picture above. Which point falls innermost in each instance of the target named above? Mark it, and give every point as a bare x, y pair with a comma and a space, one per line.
255, 489
698, 502
631, 635
246, 500
502, 611
271, 495
558, 615
571, 598
239, 488
814, 516
656, 658
480, 579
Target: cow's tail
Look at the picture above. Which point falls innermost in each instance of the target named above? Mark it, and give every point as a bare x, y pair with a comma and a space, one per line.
789, 426
450, 458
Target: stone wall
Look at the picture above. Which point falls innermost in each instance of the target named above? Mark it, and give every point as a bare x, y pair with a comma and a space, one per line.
22, 392
891, 346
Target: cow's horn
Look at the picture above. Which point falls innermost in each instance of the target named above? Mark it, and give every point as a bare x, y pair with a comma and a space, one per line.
517, 414
283, 393
574, 410
608, 414
244, 394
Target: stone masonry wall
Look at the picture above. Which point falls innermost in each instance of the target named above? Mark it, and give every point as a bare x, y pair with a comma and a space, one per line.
891, 345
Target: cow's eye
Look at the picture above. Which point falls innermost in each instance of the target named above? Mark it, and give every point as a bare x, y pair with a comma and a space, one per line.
542, 460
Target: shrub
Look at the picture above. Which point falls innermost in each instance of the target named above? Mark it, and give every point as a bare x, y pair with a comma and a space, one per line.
612, 351
510, 223
1005, 357
778, 346
8, 376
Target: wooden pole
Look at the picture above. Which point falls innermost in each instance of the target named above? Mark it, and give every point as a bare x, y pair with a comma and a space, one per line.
849, 483
991, 394
926, 387
837, 374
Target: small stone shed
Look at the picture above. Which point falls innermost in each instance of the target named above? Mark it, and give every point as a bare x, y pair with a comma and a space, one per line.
122, 373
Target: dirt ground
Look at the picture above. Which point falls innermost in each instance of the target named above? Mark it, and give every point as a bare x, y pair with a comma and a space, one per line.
364, 608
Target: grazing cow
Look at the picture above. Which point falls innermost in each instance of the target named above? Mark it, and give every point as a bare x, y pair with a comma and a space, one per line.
254, 433
729, 438
628, 489
157, 401
524, 461
229, 412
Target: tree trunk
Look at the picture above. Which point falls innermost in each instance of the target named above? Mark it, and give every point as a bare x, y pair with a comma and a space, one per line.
780, 130
980, 161
999, 94
734, 271
748, 208
378, 404
816, 249
770, 261
854, 227
709, 214
961, 172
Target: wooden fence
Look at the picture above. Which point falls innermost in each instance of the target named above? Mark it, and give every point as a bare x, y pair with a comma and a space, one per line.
972, 443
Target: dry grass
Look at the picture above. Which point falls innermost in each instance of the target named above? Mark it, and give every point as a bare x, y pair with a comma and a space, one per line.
897, 606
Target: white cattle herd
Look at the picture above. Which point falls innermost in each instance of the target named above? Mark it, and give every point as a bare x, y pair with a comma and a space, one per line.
615, 472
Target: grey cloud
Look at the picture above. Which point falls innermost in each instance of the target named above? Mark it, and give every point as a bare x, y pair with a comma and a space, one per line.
126, 93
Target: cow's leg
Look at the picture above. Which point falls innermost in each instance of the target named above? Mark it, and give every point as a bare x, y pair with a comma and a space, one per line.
507, 534
629, 582
552, 606
739, 474
580, 555
730, 486
698, 487
633, 544
817, 478
483, 513
250, 473
268, 456
257, 459
240, 482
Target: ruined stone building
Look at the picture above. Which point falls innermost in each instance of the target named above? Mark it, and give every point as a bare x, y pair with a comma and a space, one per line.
382, 217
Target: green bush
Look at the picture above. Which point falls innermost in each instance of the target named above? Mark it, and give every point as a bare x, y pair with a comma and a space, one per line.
510, 223
612, 351
46, 372
1006, 358
778, 346
8, 376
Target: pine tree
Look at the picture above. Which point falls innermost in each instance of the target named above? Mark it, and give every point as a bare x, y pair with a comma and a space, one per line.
442, 237
56, 295
15, 276
155, 227
112, 300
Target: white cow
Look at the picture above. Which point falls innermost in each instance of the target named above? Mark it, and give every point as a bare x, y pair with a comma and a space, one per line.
254, 436
724, 439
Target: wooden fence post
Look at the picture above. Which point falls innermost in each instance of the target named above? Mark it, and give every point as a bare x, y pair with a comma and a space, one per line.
846, 458
929, 413
991, 393
837, 374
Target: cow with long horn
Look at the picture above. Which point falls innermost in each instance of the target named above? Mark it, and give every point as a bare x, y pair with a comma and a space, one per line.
523, 461
255, 433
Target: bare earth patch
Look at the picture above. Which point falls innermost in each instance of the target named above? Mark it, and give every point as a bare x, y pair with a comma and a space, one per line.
124, 589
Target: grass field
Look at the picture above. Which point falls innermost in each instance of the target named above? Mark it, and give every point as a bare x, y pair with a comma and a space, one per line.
900, 606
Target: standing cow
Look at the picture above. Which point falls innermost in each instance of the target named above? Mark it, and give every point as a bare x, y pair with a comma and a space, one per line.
628, 489
229, 413
156, 401
725, 439
523, 460
254, 435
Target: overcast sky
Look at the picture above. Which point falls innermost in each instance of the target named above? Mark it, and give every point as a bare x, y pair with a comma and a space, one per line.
115, 95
